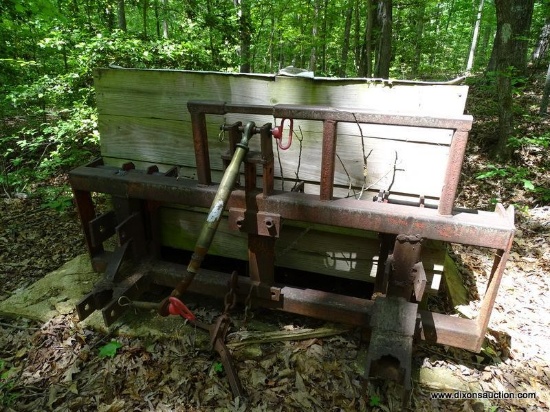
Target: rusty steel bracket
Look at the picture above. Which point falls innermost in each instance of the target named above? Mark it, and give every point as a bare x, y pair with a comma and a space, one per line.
102, 228
256, 223
401, 264
132, 229
103, 290
131, 287
393, 325
419, 285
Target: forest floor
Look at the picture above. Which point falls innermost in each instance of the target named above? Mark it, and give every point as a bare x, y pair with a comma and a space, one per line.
56, 365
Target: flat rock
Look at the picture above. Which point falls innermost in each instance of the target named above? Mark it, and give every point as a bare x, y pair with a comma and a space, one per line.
58, 292
55, 294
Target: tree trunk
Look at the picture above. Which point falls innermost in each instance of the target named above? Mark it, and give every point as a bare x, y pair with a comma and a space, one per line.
513, 22
475, 36
121, 13
384, 48
365, 65
313, 56
418, 38
545, 95
345, 41
324, 39
144, 17
368, 39
516, 30
165, 19
357, 36
243, 10
245, 35
542, 45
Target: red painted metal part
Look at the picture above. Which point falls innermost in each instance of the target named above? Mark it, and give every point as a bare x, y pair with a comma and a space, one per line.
177, 307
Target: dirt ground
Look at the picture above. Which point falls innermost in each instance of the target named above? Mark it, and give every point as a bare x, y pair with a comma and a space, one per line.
62, 366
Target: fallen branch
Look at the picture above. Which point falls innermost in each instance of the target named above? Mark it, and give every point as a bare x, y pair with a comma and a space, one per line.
257, 337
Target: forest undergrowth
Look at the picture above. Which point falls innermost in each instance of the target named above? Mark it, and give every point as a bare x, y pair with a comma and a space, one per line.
59, 365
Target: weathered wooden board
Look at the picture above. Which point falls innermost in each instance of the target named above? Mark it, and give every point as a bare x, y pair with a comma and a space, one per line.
345, 253
143, 117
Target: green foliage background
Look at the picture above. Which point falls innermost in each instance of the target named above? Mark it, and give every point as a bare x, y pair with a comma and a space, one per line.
49, 49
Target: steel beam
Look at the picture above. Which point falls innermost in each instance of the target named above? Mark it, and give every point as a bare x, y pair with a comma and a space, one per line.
478, 228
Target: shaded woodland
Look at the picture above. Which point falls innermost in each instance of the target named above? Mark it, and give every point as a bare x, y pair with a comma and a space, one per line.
50, 49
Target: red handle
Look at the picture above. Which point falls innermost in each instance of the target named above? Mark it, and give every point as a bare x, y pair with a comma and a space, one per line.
277, 133
177, 307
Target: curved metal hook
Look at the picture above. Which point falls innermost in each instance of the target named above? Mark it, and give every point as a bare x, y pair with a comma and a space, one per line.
277, 133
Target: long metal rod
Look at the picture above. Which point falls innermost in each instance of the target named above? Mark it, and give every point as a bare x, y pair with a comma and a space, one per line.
220, 201
328, 158
435, 328
352, 115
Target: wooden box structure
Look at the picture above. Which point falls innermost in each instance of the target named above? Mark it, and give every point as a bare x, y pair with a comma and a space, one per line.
372, 171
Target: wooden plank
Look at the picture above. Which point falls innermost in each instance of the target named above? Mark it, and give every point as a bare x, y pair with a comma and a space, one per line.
289, 182
163, 93
143, 117
391, 163
344, 253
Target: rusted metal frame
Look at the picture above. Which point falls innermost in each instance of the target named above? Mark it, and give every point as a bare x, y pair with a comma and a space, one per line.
268, 159
221, 108
485, 229
234, 135
497, 271
457, 151
488, 300
131, 229
393, 325
200, 143
328, 156
249, 176
463, 122
86, 212
103, 290
198, 111
102, 228
402, 276
434, 327
386, 242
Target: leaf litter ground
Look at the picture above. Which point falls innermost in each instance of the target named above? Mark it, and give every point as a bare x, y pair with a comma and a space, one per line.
58, 365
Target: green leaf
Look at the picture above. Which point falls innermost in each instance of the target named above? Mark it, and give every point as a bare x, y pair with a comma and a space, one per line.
110, 349
218, 367
374, 400
528, 185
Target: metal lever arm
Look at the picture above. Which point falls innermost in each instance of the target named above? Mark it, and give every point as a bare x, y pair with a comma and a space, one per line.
214, 215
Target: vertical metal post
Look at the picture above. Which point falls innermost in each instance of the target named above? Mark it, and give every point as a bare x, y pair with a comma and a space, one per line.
452, 173
406, 253
261, 258
86, 212
200, 143
266, 147
488, 301
328, 156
